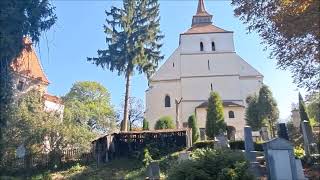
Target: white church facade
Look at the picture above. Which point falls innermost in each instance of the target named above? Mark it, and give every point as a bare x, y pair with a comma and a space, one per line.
204, 61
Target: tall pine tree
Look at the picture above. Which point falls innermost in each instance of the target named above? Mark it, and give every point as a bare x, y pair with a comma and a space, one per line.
133, 42
302, 109
215, 119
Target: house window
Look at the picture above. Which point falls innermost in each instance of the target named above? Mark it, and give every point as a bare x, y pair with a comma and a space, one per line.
167, 101
20, 85
231, 114
201, 46
213, 47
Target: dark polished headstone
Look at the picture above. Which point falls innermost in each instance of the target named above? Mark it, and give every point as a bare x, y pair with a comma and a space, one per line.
282, 131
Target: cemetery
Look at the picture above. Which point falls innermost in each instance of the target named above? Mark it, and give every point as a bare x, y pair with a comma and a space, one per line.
214, 109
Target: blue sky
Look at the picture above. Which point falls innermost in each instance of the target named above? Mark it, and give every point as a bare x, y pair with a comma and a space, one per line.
78, 34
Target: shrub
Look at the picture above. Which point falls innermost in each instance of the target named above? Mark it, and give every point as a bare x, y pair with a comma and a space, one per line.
298, 152
165, 122
212, 164
145, 124
241, 145
202, 145
192, 123
146, 157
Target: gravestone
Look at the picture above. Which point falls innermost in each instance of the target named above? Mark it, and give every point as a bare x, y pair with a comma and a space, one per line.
184, 156
153, 172
248, 143
21, 151
308, 140
280, 159
264, 133
282, 131
250, 153
222, 141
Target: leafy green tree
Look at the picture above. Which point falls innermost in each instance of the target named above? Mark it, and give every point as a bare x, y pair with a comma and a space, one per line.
215, 119
165, 122
192, 123
302, 109
290, 28
252, 113
145, 124
268, 109
313, 106
18, 19
133, 35
30, 125
88, 104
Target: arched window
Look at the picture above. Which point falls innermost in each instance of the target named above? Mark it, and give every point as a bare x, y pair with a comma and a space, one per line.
231, 114
213, 47
211, 87
201, 46
167, 101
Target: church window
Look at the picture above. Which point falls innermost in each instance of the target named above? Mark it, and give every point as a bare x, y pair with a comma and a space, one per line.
201, 46
211, 87
172, 64
167, 101
208, 65
213, 47
20, 85
231, 114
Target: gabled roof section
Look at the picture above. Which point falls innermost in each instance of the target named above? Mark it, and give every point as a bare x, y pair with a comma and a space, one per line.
169, 70
52, 98
246, 69
28, 64
225, 104
203, 29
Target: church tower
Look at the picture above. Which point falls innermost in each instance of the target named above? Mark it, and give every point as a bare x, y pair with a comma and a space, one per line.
204, 61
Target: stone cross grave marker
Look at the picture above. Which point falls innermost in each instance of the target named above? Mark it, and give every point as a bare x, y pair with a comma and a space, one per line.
222, 141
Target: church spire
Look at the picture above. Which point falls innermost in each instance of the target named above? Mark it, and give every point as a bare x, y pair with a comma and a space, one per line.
202, 17
201, 9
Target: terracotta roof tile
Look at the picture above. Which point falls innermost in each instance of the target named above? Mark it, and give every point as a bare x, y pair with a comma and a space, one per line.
52, 98
28, 64
209, 28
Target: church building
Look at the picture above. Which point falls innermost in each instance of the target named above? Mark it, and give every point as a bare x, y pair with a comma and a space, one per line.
204, 61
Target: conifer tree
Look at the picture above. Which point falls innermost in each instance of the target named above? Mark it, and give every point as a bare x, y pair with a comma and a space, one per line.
267, 107
252, 113
302, 109
145, 124
192, 123
215, 119
132, 37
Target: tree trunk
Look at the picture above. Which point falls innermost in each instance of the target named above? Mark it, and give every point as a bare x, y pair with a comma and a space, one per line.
126, 104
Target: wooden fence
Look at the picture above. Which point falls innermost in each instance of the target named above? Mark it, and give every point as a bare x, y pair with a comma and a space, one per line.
123, 144
45, 161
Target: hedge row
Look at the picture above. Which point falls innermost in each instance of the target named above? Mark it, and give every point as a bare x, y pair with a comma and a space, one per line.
233, 145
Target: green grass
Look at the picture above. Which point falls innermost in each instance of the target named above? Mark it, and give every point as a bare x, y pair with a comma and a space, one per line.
116, 169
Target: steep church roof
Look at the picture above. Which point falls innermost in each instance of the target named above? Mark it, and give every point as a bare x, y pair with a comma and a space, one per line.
28, 64
202, 22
